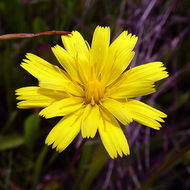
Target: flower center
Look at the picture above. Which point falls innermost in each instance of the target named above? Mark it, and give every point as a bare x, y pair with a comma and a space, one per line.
94, 91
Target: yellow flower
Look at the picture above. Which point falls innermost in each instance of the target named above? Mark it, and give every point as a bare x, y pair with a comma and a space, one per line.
93, 90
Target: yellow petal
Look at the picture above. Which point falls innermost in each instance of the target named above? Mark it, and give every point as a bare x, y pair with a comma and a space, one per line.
67, 62
34, 96
153, 72
118, 138
145, 114
107, 142
99, 48
90, 121
113, 138
131, 89
61, 85
79, 51
40, 68
83, 68
119, 56
75, 44
64, 132
62, 107
118, 110
138, 81
121, 63
124, 41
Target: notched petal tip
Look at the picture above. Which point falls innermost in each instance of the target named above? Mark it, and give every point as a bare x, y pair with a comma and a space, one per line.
30, 56
18, 92
49, 140
157, 128
67, 36
103, 28
59, 150
163, 115
18, 106
42, 114
55, 47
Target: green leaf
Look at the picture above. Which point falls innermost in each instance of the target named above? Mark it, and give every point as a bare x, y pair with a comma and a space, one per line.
51, 160
53, 185
8, 142
38, 166
99, 160
183, 98
186, 158
31, 130
83, 164
9, 122
2, 8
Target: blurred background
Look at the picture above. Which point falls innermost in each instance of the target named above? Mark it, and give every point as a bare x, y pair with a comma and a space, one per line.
159, 159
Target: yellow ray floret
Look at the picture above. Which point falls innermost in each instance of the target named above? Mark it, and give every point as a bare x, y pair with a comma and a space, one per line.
60, 84
119, 56
145, 114
34, 96
113, 137
64, 132
90, 121
40, 68
62, 107
138, 81
75, 44
99, 49
118, 110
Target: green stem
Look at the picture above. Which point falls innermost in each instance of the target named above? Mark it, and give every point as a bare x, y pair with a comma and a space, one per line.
75, 157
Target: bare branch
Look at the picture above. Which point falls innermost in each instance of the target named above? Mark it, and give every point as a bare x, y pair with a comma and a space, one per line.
31, 35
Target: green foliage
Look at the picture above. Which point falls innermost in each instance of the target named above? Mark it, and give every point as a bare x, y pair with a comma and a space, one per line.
186, 158
99, 159
52, 186
31, 130
39, 166
9, 142
83, 164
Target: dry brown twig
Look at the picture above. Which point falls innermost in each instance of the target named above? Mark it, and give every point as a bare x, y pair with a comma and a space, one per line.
32, 35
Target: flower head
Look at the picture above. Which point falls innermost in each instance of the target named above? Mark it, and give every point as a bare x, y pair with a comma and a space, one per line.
94, 89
